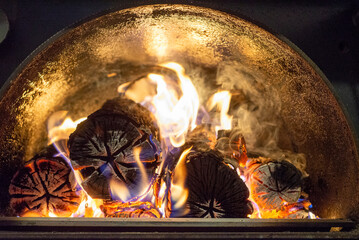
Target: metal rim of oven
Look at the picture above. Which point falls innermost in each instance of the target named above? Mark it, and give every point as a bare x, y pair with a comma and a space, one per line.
94, 228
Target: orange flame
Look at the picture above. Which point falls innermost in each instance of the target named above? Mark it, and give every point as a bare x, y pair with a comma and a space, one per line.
178, 189
60, 126
175, 111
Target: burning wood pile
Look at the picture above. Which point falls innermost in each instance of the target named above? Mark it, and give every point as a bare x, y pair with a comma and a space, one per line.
156, 152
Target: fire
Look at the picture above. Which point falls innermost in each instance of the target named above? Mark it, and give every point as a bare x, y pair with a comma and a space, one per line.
179, 192
293, 211
175, 104
222, 100
59, 128
89, 208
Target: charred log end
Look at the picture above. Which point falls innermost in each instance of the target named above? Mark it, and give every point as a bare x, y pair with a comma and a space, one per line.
115, 144
273, 183
215, 190
42, 186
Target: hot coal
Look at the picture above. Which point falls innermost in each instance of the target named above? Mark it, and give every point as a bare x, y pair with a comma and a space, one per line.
274, 182
42, 186
113, 209
215, 190
104, 148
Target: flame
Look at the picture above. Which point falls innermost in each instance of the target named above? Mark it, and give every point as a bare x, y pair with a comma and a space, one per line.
59, 128
179, 192
51, 214
144, 176
119, 191
174, 102
89, 208
222, 100
175, 105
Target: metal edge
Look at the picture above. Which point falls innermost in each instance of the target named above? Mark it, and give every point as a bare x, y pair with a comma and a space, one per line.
177, 235
109, 228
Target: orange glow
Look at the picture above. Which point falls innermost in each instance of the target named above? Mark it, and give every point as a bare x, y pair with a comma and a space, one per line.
130, 210
299, 209
89, 208
51, 214
111, 75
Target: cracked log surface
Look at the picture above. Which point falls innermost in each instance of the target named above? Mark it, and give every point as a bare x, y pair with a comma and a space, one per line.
112, 146
44, 185
274, 182
215, 190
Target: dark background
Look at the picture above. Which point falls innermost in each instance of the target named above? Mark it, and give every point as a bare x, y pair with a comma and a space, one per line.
327, 31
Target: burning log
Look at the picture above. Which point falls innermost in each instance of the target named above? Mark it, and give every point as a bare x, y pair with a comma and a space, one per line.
273, 183
116, 144
215, 190
44, 186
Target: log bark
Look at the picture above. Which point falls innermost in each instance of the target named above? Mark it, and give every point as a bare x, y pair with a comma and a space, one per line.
215, 190
42, 186
104, 148
274, 182
202, 138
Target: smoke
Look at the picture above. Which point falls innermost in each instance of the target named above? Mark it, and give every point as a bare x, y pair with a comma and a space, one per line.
256, 107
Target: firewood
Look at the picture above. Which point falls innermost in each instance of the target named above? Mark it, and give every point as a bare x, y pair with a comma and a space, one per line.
202, 138
273, 182
103, 148
215, 190
44, 185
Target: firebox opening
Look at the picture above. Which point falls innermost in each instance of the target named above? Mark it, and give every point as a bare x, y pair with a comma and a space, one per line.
248, 116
